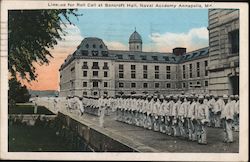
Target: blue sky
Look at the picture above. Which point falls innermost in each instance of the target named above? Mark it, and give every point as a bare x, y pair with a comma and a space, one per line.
118, 24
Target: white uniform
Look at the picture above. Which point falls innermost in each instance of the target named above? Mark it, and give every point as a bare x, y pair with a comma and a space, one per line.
227, 115
203, 119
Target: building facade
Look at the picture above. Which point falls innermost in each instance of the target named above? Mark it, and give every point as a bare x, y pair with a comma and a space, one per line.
223, 51
94, 70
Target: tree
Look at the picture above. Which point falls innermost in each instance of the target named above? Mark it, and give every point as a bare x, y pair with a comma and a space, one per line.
31, 33
17, 93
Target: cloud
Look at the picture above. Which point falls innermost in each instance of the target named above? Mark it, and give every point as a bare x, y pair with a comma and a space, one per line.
115, 45
192, 40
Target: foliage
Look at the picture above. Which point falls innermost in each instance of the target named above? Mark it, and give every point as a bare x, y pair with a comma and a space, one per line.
31, 33
17, 93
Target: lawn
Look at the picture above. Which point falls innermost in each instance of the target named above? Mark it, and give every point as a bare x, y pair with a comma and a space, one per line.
29, 109
35, 139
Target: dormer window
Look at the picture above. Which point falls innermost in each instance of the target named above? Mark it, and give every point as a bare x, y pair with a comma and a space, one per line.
84, 52
132, 57
94, 46
166, 58
87, 45
143, 57
105, 53
155, 58
94, 53
119, 56
101, 46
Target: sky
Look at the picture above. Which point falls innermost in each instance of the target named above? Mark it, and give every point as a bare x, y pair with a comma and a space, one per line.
161, 31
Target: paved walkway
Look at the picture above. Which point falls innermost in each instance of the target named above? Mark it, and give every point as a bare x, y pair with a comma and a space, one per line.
144, 140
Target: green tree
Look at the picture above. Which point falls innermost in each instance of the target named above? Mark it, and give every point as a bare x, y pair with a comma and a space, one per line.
31, 33
17, 93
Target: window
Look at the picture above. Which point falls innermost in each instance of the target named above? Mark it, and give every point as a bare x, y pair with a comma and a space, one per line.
121, 85
95, 84
133, 85
105, 53
95, 65
95, 93
198, 69
190, 71
133, 71
137, 47
166, 58
183, 85
119, 56
85, 73
156, 72
121, 71
105, 66
87, 45
183, 71
84, 84
145, 85
157, 85
198, 83
105, 74
106, 93
94, 46
84, 93
84, 52
206, 83
105, 84
95, 73
168, 71
132, 57
143, 57
85, 65
155, 58
95, 53
101, 46
72, 69
206, 71
190, 84
168, 85
234, 41
145, 71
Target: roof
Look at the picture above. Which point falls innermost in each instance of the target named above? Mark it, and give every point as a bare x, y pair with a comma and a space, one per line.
94, 48
135, 38
197, 54
138, 56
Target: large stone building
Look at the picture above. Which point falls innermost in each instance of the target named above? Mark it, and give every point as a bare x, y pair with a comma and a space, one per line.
95, 70
223, 51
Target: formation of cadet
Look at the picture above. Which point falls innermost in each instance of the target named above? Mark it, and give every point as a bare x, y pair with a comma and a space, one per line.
184, 116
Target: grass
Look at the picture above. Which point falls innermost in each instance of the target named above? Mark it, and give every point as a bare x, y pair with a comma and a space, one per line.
29, 109
35, 139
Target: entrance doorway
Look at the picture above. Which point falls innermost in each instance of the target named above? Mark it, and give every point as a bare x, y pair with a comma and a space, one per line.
234, 82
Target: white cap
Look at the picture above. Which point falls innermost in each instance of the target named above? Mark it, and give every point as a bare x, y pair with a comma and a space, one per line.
201, 97
225, 96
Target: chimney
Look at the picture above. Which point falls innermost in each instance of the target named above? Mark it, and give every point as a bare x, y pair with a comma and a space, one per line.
179, 51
